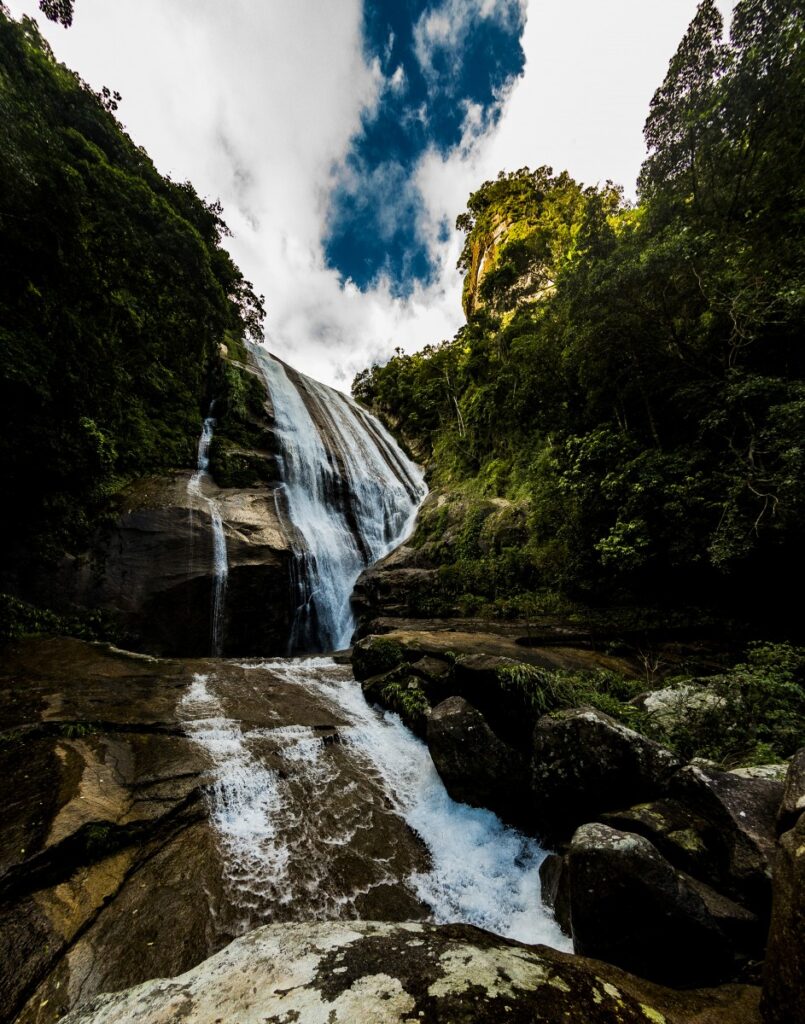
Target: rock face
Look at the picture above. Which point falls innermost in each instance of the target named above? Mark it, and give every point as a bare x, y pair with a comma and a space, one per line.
630, 907
476, 767
371, 973
585, 763
785, 955
153, 566
111, 870
793, 802
742, 813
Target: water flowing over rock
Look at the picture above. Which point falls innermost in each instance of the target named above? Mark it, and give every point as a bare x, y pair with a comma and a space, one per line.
220, 563
349, 496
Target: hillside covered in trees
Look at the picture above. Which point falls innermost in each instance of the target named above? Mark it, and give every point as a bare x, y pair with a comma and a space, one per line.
115, 294
630, 376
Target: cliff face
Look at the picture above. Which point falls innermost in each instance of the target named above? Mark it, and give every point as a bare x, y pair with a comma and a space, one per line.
520, 228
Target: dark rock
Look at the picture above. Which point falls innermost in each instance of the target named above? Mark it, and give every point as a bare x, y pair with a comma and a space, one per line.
403, 693
742, 813
793, 802
585, 763
476, 767
153, 567
554, 885
689, 842
784, 976
364, 972
630, 907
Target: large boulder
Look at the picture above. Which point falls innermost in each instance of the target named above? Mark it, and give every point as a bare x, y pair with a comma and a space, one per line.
585, 763
742, 815
631, 907
476, 767
363, 972
784, 977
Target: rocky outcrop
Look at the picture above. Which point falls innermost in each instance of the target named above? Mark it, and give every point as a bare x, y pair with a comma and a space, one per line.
792, 804
153, 567
585, 763
476, 767
103, 818
742, 814
372, 973
785, 954
629, 906
111, 870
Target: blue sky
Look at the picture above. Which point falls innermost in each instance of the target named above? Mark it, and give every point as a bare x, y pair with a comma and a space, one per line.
437, 61
343, 137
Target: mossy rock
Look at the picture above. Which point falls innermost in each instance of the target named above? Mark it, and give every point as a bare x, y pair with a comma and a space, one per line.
375, 655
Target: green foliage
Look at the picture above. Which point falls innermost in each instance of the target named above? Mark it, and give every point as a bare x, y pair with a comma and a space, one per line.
115, 293
376, 655
754, 714
542, 691
632, 377
21, 618
405, 697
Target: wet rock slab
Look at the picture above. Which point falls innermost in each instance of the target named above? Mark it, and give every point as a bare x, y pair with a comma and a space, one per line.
380, 973
110, 870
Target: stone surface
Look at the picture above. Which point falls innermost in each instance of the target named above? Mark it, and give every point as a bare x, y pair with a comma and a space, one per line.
784, 976
476, 767
631, 907
554, 888
585, 763
153, 567
110, 872
742, 813
793, 802
374, 973
689, 841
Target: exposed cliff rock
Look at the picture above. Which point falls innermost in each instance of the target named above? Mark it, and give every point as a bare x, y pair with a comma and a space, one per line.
153, 566
372, 973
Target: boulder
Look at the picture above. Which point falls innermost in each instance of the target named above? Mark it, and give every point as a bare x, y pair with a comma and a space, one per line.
585, 763
793, 802
364, 972
784, 975
631, 907
476, 767
554, 889
690, 842
742, 813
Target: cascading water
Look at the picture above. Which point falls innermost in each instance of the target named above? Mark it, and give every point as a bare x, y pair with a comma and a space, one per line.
220, 564
350, 495
334, 809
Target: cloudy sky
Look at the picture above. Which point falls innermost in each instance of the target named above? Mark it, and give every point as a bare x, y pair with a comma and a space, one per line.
343, 137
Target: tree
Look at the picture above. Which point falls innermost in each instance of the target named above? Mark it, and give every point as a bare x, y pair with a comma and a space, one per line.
60, 11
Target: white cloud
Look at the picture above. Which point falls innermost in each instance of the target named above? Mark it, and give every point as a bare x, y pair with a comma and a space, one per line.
256, 103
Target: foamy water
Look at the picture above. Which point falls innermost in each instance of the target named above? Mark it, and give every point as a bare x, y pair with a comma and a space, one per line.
481, 872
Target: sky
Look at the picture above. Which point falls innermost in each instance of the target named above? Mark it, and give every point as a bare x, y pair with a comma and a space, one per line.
344, 137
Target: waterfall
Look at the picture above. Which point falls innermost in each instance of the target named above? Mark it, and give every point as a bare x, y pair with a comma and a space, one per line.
349, 496
220, 564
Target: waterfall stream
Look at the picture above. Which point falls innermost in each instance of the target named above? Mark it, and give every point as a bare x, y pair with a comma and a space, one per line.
323, 806
350, 497
220, 564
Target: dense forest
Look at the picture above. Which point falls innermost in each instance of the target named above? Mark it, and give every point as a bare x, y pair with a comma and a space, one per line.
115, 296
630, 376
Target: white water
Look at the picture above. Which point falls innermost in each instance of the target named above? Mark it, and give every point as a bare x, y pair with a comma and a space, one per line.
481, 872
220, 563
351, 495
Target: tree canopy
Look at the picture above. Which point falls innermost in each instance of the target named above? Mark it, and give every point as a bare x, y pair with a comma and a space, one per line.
633, 375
